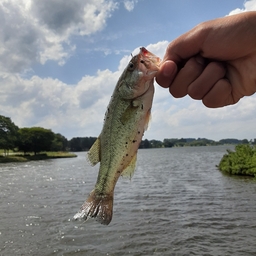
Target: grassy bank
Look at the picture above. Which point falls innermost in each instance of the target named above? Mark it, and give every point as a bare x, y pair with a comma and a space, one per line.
17, 157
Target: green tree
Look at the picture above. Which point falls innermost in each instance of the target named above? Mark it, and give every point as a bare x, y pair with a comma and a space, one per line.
8, 133
156, 143
59, 143
35, 139
168, 143
145, 144
230, 141
242, 161
81, 143
87, 142
75, 144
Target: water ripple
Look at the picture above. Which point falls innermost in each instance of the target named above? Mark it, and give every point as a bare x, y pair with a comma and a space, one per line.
176, 204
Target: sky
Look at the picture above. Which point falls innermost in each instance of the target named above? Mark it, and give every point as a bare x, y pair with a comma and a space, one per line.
60, 61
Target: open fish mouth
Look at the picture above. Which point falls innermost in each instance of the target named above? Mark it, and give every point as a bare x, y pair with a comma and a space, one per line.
149, 63
148, 57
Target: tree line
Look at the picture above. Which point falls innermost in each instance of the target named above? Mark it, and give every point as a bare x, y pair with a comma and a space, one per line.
84, 143
34, 139
190, 142
38, 139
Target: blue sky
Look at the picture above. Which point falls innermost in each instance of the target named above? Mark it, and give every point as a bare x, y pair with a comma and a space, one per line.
60, 61
148, 22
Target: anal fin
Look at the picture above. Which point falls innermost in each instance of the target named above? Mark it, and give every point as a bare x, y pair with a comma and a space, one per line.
129, 170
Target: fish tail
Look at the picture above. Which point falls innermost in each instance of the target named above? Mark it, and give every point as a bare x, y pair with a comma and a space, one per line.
97, 206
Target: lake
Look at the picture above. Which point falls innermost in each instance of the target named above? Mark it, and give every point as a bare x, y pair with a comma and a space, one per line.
177, 203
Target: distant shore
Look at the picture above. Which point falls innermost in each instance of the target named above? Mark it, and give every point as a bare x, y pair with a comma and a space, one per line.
31, 157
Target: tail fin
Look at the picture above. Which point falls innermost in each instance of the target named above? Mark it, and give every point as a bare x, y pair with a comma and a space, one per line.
97, 206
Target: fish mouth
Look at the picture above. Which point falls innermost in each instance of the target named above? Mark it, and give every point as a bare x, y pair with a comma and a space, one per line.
149, 63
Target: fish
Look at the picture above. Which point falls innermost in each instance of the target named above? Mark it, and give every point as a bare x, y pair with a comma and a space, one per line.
126, 119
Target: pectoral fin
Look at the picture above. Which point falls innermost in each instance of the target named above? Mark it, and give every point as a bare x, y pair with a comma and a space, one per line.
93, 154
129, 170
130, 111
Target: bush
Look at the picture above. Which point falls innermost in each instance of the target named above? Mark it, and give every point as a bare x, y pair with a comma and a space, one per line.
242, 161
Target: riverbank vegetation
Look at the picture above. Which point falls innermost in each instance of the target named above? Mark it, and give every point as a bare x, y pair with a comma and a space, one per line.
25, 144
34, 139
17, 157
242, 161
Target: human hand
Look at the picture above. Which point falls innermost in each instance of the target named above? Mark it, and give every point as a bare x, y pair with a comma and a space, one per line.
214, 62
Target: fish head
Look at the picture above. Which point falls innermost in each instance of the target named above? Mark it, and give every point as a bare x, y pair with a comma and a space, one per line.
139, 74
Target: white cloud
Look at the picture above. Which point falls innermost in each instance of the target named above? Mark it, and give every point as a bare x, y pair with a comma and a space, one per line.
37, 31
73, 17
176, 118
130, 4
248, 6
62, 107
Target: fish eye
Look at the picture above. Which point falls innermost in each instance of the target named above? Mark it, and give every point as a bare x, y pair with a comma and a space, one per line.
142, 61
131, 66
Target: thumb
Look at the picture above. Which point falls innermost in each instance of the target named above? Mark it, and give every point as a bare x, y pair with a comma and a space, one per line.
166, 73
177, 53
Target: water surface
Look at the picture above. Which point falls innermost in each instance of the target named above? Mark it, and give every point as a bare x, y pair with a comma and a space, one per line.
177, 203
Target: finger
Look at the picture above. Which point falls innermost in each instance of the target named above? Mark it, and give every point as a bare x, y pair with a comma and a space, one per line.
166, 73
220, 95
190, 72
213, 72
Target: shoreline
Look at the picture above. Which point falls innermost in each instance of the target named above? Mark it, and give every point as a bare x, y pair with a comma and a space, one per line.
19, 158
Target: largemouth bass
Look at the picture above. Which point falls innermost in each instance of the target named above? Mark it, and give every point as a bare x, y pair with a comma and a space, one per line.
126, 119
